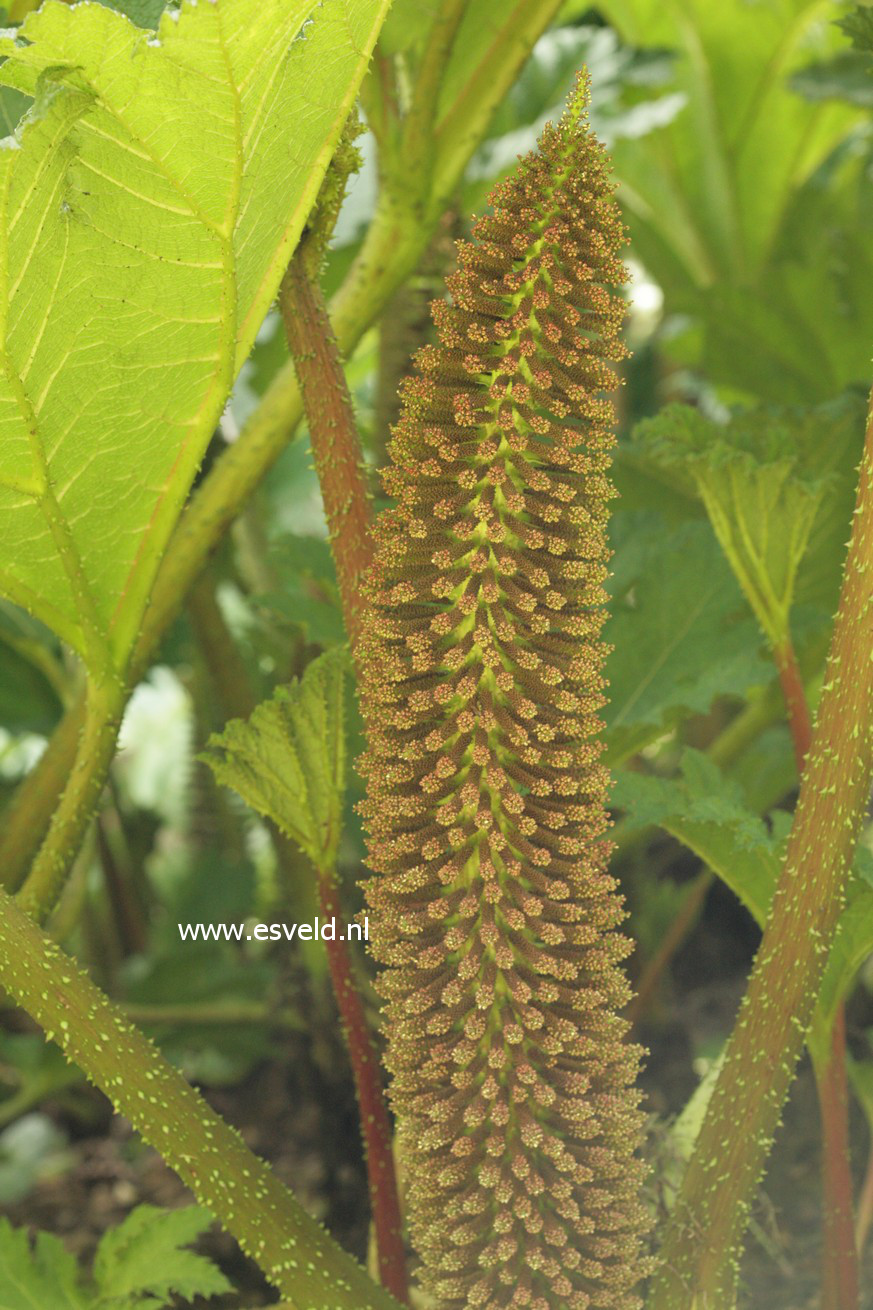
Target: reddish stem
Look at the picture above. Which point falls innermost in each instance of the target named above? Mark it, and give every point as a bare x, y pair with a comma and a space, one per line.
839, 1257
336, 450
799, 717
375, 1127
336, 447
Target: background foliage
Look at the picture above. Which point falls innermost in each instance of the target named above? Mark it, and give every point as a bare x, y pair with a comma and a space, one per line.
743, 153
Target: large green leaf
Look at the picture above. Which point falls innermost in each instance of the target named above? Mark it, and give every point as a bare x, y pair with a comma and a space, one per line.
288, 761
800, 331
148, 206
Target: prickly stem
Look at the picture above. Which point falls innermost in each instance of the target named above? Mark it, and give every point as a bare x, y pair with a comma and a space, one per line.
704, 1239
294, 1252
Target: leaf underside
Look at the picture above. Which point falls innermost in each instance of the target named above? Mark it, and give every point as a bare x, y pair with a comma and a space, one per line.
149, 203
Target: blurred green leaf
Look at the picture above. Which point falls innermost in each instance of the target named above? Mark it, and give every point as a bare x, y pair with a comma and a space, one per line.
707, 812
861, 1079
407, 25
679, 628
307, 595
34, 1069
625, 98
799, 332
188, 975
143, 1261
288, 760
38, 1278
144, 13
858, 26
709, 196
28, 701
845, 77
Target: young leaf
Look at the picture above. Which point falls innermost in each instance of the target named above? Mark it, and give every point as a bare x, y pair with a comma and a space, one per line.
148, 206
761, 499
38, 1278
288, 761
142, 1261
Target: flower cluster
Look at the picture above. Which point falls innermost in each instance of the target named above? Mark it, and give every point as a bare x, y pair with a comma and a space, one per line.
492, 908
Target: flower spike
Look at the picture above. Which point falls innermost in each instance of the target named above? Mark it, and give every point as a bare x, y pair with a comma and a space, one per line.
492, 908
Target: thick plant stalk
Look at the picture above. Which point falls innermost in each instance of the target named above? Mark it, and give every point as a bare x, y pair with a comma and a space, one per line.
79, 799
481, 667
336, 451
336, 446
399, 233
703, 1241
840, 1258
293, 1251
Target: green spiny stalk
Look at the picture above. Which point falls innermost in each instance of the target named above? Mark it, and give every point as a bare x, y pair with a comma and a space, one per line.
78, 802
293, 1251
839, 1256
482, 680
703, 1242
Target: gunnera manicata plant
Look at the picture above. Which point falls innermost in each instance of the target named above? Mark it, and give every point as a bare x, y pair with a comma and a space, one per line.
491, 906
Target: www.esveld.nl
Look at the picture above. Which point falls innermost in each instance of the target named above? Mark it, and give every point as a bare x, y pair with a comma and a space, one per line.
324, 930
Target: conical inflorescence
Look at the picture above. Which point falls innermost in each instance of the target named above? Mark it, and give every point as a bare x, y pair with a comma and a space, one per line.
491, 907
